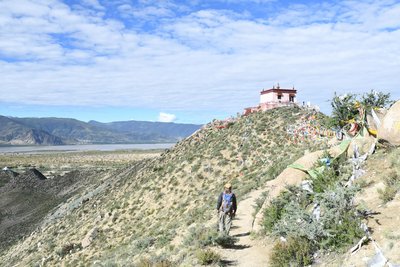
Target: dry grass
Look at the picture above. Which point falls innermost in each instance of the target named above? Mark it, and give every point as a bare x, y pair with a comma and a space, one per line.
147, 208
57, 163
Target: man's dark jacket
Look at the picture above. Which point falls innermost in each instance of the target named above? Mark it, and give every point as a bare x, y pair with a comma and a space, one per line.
219, 203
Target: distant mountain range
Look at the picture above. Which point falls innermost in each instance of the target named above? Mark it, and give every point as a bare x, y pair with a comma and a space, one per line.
61, 131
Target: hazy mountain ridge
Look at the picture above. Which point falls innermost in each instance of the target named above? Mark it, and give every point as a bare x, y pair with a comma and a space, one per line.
59, 131
14, 133
158, 128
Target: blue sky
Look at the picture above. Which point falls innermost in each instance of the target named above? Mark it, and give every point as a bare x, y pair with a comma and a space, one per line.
189, 61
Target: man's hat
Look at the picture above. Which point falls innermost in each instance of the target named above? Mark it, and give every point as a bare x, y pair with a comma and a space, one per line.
228, 185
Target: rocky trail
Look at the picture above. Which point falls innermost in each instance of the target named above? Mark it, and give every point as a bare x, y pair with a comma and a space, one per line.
247, 251
252, 252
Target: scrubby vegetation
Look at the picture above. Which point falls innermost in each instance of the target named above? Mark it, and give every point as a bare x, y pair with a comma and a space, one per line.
208, 256
154, 209
391, 180
59, 163
392, 186
292, 252
345, 108
323, 219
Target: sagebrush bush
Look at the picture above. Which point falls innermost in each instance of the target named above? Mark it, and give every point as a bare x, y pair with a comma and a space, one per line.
259, 202
392, 186
292, 216
298, 223
387, 194
328, 176
200, 237
272, 214
144, 243
145, 262
293, 252
277, 208
343, 233
207, 257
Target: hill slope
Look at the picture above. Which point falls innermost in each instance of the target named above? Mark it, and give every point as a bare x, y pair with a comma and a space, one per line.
74, 131
158, 129
165, 208
13, 133
27, 197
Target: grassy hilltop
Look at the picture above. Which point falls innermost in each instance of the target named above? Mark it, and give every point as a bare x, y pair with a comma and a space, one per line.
162, 210
149, 207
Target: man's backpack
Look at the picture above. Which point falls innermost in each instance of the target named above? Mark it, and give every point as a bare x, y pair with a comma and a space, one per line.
227, 202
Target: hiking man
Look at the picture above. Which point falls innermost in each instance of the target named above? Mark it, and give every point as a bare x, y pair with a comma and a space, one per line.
226, 207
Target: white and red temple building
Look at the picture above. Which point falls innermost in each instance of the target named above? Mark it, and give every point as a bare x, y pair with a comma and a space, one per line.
273, 98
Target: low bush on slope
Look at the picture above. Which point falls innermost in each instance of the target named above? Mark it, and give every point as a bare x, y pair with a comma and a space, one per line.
392, 180
324, 219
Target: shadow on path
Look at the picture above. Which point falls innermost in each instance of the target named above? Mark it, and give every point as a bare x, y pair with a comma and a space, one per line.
237, 247
228, 263
242, 234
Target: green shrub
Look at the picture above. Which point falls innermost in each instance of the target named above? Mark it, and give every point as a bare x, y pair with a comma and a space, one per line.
343, 108
324, 180
293, 252
200, 237
277, 208
145, 262
144, 243
68, 249
339, 218
298, 222
290, 215
343, 233
195, 167
259, 202
375, 99
387, 194
327, 177
392, 186
207, 257
164, 239
272, 214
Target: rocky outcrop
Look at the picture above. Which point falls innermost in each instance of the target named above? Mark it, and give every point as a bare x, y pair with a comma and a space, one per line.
10, 173
35, 174
90, 236
390, 127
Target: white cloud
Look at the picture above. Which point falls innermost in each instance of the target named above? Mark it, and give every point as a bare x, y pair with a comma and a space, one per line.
166, 117
94, 4
246, 1
150, 10
208, 59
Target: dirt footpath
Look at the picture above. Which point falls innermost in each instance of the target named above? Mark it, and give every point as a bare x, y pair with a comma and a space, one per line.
246, 252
